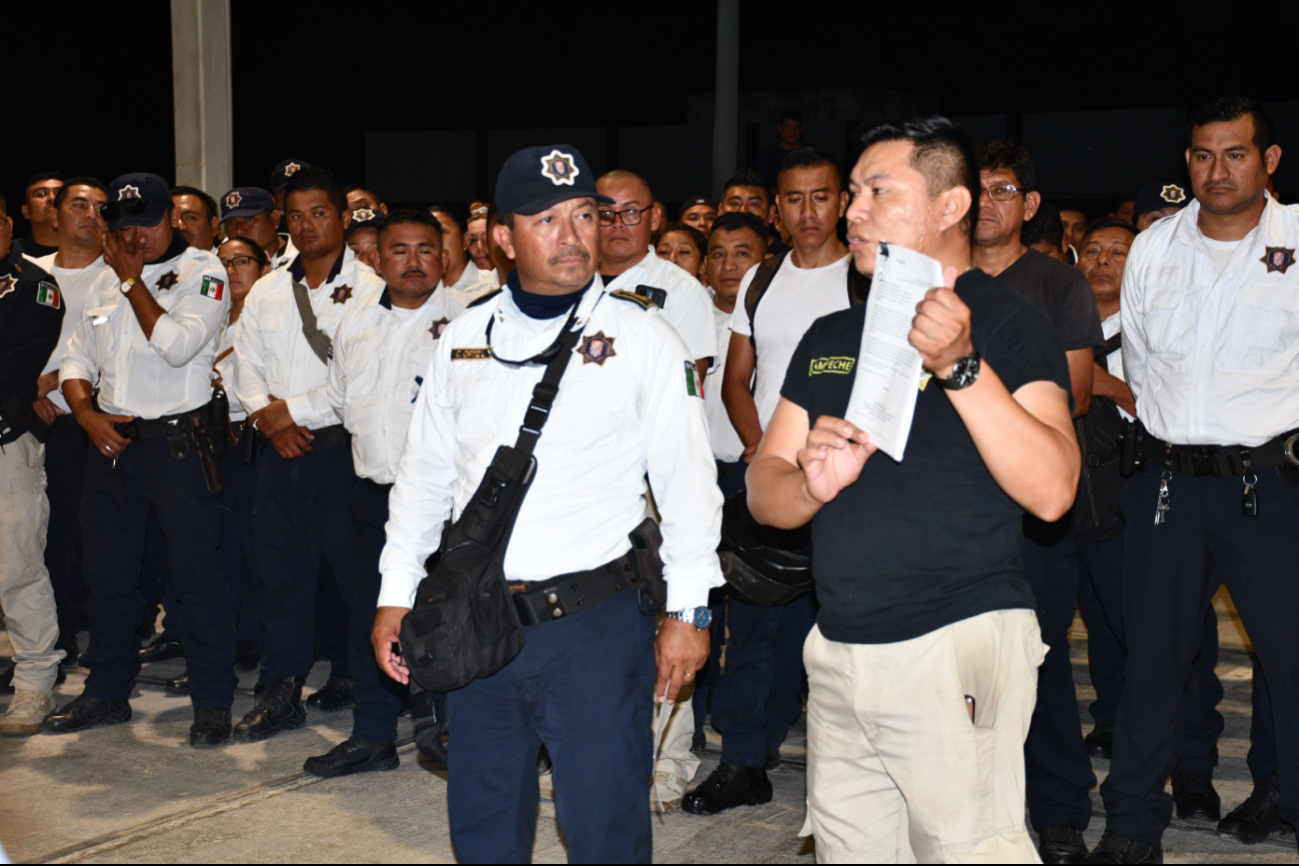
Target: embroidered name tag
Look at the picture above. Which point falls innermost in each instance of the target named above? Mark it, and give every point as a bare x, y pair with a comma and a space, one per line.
470, 354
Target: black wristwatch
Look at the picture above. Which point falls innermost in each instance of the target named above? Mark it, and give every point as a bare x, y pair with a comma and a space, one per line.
965, 373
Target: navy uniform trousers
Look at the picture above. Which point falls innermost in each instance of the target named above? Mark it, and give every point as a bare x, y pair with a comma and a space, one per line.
378, 696
1170, 573
115, 507
581, 686
302, 518
65, 472
238, 527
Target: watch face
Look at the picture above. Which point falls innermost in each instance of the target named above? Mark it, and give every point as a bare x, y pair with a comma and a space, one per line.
703, 617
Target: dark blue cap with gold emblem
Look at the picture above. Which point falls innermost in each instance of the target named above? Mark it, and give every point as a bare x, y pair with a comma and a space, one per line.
364, 218
138, 199
285, 170
540, 177
1157, 196
245, 201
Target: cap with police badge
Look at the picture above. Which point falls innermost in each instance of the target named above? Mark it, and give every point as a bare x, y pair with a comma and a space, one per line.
245, 201
285, 170
536, 178
1157, 196
695, 202
364, 218
139, 199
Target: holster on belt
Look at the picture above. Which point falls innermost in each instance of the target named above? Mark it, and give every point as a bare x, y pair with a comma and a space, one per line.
20, 416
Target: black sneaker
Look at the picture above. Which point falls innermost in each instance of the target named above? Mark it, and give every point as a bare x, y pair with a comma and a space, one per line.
1100, 742
1114, 848
1254, 820
353, 755
727, 787
280, 709
773, 757
338, 694
1061, 844
86, 712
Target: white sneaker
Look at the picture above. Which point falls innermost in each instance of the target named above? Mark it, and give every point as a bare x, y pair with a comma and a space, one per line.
26, 712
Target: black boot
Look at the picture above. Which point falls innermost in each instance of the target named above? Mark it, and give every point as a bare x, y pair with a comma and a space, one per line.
1114, 848
280, 709
1254, 820
248, 655
178, 686
1100, 742
160, 650
211, 727
85, 712
727, 787
1061, 844
354, 755
338, 694
1195, 797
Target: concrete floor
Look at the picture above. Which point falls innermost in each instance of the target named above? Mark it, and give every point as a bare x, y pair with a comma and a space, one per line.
138, 793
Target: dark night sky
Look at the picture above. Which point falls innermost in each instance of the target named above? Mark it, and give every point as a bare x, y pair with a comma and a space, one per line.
94, 84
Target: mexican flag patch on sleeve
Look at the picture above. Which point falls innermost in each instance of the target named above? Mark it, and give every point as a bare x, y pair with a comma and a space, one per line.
48, 294
212, 288
694, 387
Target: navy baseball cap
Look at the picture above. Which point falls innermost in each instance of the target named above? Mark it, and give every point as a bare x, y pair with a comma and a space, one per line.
364, 218
536, 178
285, 170
139, 199
1157, 196
695, 202
246, 201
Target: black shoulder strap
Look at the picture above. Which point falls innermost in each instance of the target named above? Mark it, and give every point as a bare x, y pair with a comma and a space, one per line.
1112, 345
758, 287
543, 395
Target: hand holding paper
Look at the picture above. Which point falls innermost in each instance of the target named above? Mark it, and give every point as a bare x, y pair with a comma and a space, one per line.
941, 331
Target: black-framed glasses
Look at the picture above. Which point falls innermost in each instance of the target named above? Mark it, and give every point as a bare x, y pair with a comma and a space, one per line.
631, 216
1001, 191
237, 262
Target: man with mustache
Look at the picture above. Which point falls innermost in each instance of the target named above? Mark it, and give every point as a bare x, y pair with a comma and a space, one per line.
628, 406
382, 351
282, 350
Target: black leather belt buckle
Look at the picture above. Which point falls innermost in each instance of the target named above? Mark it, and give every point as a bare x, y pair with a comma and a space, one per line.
1203, 463
1288, 449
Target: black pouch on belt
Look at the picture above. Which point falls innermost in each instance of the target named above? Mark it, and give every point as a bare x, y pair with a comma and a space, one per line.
218, 422
646, 540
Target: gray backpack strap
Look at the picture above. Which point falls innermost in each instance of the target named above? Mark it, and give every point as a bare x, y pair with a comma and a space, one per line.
319, 340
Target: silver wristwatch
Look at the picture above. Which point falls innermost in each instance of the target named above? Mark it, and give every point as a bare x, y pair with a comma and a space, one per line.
699, 617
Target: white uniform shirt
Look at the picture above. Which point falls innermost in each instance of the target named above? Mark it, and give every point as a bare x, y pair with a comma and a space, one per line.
1114, 360
271, 354
75, 285
381, 356
223, 371
618, 415
285, 255
688, 306
466, 292
795, 298
169, 373
727, 446
1213, 358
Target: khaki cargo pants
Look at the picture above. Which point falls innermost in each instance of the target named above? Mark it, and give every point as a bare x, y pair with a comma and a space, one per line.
897, 771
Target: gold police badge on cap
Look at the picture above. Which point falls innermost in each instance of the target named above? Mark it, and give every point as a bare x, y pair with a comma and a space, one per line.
1173, 194
233, 199
1278, 258
128, 191
559, 167
291, 169
362, 214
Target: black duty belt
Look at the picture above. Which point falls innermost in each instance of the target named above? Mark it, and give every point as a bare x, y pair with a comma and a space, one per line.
334, 436
156, 428
568, 593
1222, 461
65, 420
382, 488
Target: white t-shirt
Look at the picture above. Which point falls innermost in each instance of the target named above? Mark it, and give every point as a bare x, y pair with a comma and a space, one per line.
74, 286
726, 443
1114, 360
1220, 251
796, 298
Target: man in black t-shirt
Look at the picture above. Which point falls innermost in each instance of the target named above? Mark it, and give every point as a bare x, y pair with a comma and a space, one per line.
1059, 771
923, 663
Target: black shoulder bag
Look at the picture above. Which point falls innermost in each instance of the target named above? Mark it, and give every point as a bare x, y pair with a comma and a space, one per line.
464, 624
1101, 434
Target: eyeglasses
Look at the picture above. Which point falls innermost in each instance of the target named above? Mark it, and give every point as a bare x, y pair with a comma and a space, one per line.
630, 216
1001, 191
238, 262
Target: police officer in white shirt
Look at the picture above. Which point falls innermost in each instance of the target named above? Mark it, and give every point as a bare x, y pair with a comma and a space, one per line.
78, 268
628, 263
462, 278
629, 404
382, 351
282, 348
147, 342
1210, 307
250, 212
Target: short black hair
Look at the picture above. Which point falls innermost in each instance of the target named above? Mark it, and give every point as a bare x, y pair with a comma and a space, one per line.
1229, 108
455, 212
1009, 153
739, 221
808, 157
356, 187
208, 202
38, 177
748, 177
942, 151
83, 180
696, 236
791, 114
1108, 222
1045, 226
258, 253
307, 179
410, 217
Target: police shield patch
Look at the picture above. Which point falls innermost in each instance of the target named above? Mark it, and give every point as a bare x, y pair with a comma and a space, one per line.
7, 283
212, 288
596, 349
48, 294
1278, 258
